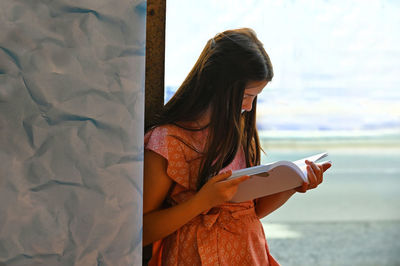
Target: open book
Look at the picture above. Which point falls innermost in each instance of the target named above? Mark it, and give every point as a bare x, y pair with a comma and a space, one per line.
272, 178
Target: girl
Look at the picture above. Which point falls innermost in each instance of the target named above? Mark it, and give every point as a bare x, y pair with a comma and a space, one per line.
204, 132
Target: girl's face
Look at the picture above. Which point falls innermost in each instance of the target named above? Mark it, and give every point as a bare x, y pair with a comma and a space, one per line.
253, 88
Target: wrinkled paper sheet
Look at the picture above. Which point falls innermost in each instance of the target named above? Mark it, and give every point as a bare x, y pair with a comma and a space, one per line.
71, 131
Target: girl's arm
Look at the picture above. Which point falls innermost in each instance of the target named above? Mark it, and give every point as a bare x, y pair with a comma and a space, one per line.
270, 203
159, 223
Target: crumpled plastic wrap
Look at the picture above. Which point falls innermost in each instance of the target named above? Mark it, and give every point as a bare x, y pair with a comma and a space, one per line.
71, 131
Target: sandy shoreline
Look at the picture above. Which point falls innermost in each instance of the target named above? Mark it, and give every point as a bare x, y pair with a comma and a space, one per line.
374, 243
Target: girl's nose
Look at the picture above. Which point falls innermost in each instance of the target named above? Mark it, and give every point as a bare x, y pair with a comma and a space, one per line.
247, 106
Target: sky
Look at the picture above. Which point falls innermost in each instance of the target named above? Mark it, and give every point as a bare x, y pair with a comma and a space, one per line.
336, 63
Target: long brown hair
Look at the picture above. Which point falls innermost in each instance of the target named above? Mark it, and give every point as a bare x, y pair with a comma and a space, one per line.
216, 83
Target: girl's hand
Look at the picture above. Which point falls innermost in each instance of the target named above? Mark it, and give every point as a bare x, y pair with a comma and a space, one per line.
218, 190
315, 175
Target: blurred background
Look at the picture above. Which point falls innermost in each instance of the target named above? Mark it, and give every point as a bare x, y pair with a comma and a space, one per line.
337, 89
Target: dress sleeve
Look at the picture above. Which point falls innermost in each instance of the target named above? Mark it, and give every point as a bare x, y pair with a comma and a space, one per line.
162, 141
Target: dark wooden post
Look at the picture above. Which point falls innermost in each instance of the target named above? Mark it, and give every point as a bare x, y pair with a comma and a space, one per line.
155, 57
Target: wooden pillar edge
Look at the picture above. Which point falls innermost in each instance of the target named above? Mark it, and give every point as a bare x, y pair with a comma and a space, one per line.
154, 77
155, 57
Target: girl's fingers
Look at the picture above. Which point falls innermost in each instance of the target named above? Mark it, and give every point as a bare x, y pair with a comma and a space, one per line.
303, 187
221, 177
315, 168
326, 166
317, 172
238, 180
312, 179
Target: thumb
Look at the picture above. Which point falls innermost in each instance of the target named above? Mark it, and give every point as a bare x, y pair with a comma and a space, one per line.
238, 180
326, 166
221, 176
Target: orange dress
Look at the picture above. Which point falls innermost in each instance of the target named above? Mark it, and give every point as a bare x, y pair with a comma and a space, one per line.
230, 234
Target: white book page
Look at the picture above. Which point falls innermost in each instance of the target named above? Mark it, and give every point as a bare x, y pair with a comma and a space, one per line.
265, 168
272, 178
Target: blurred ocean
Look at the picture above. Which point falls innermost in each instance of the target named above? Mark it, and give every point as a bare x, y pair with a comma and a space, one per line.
362, 185
353, 217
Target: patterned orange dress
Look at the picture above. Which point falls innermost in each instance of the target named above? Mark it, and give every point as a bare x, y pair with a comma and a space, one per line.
230, 234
